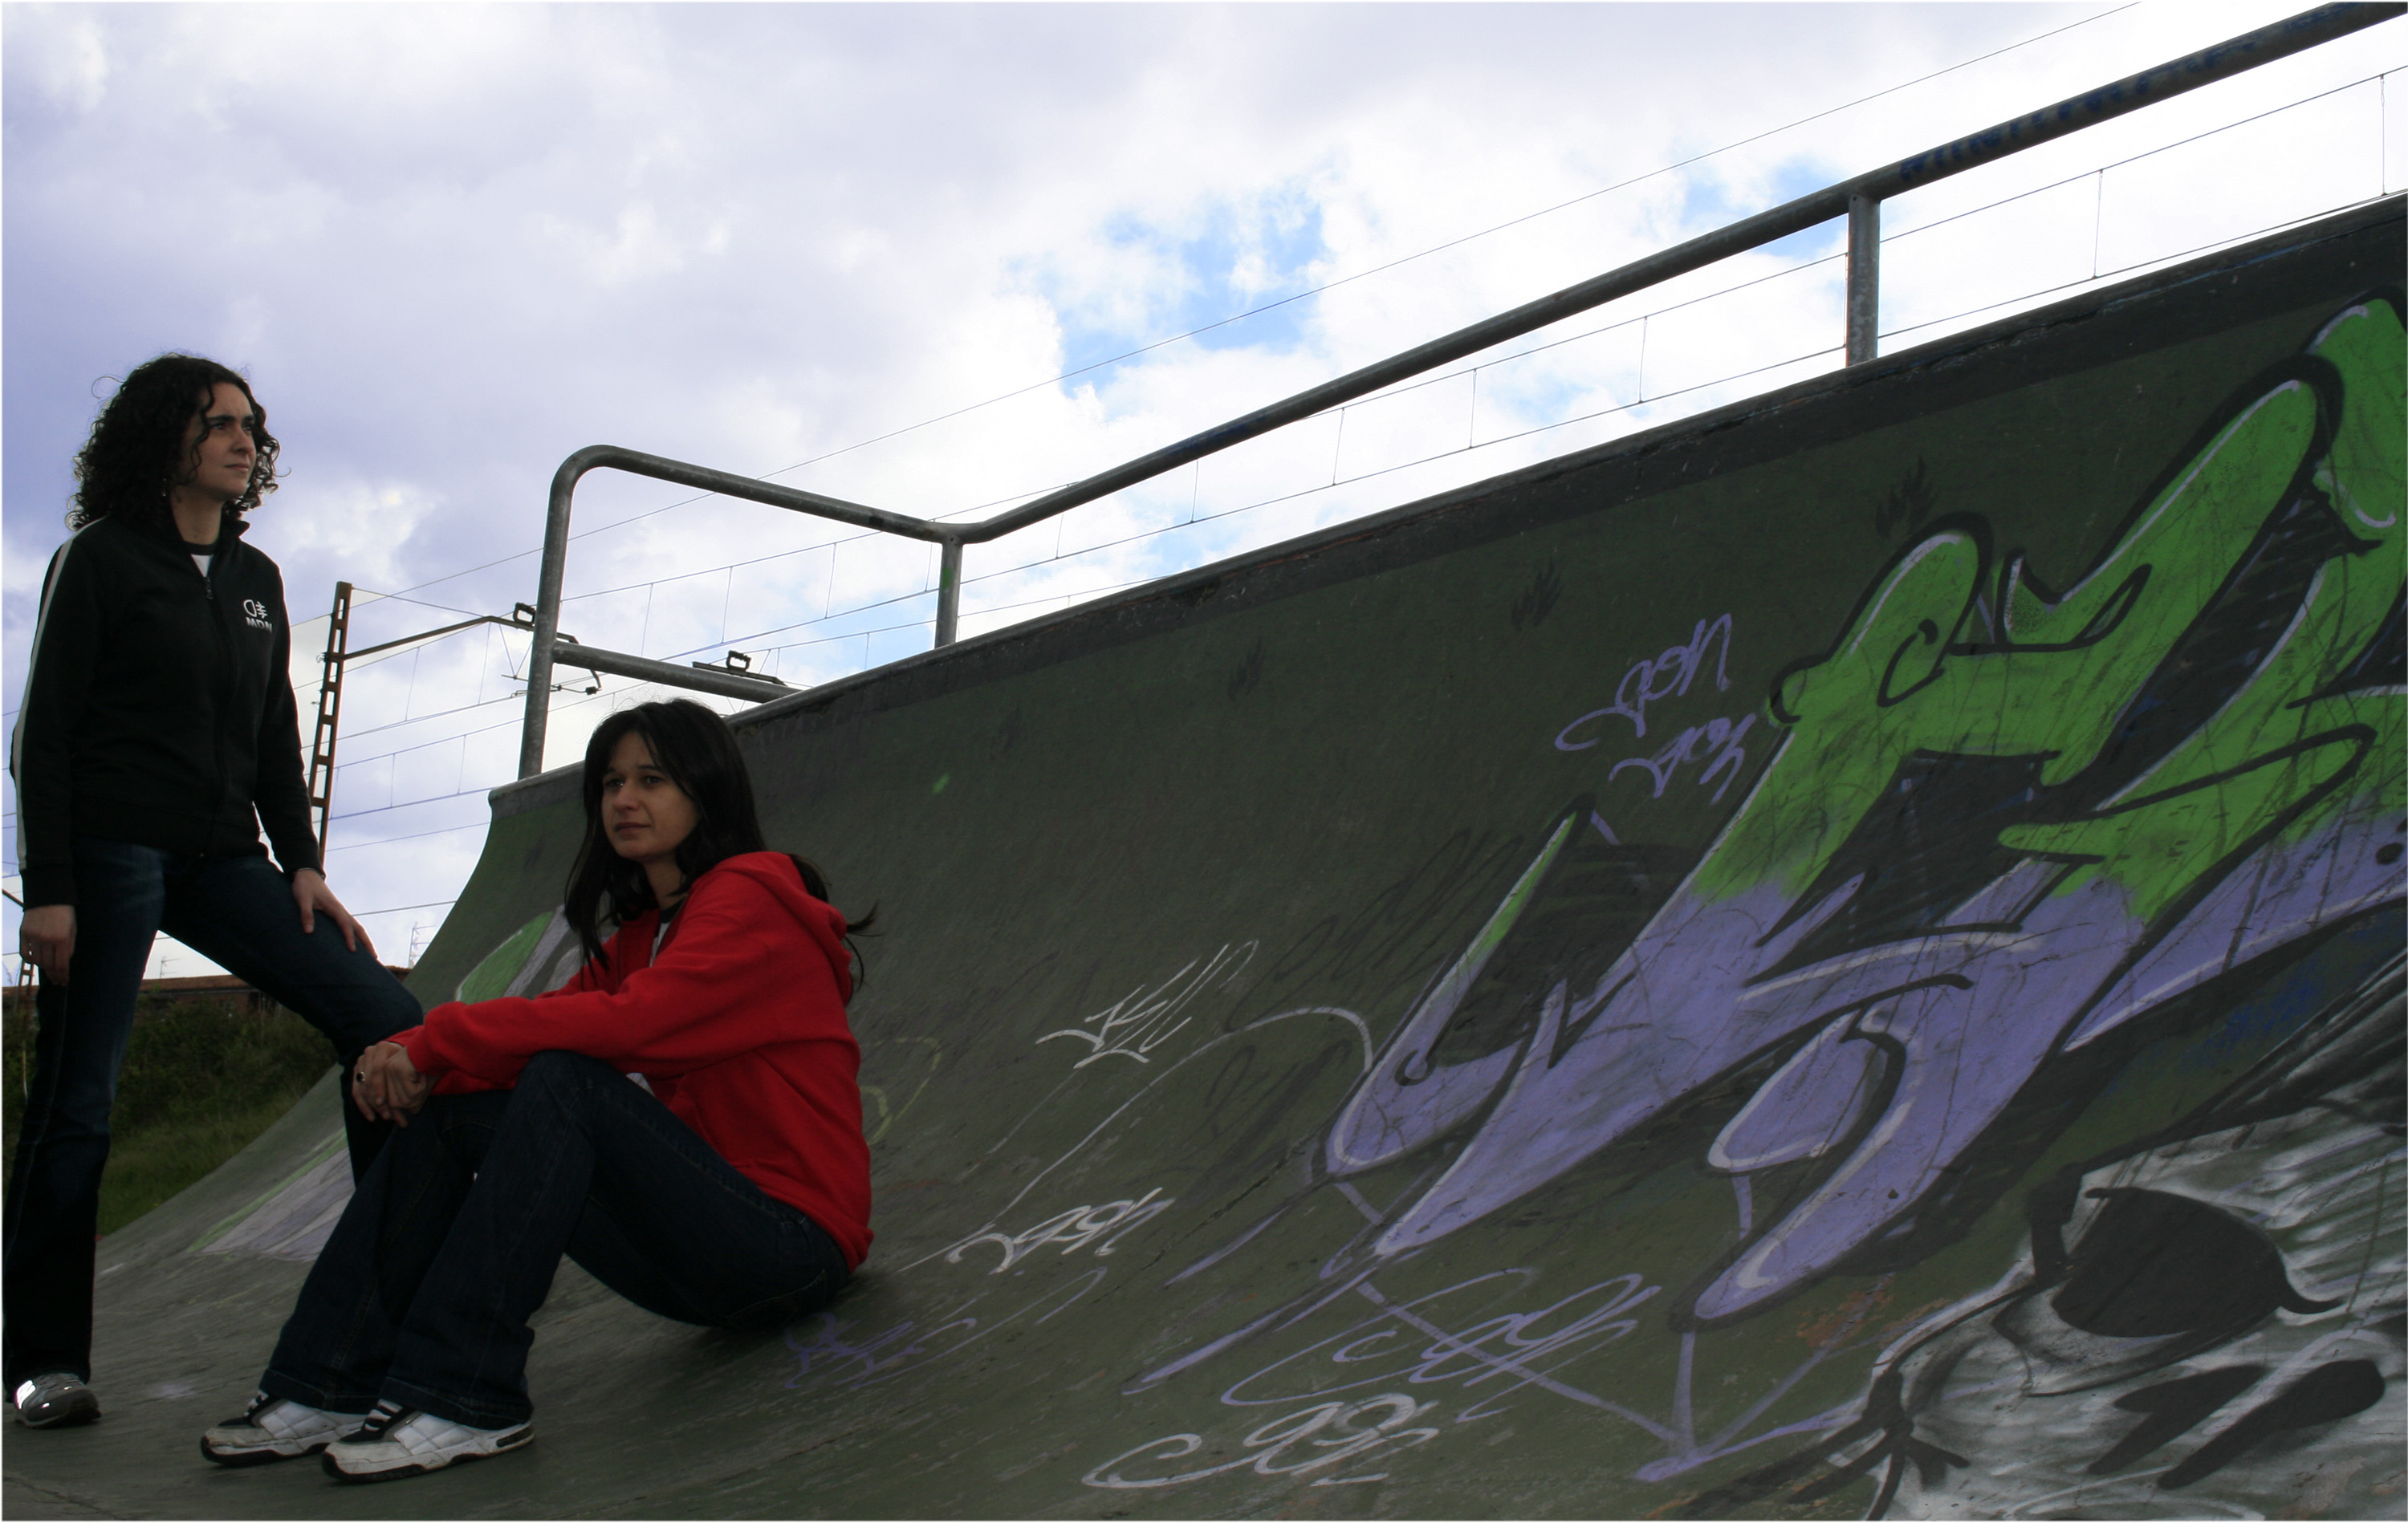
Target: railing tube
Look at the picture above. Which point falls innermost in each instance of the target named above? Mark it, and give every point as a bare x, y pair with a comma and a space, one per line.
660, 468
1864, 277
948, 591
554, 571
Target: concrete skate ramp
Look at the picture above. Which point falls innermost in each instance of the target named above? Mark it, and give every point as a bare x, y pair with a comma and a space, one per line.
1839, 957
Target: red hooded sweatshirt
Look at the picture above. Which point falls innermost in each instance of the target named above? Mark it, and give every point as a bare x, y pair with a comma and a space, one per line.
740, 1029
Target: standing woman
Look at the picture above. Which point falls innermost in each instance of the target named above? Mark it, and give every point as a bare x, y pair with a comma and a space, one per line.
157, 735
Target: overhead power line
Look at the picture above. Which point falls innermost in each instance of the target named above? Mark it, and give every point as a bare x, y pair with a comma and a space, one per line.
1439, 377
1315, 291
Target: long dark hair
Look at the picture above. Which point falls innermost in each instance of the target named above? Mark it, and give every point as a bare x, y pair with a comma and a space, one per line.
136, 449
695, 749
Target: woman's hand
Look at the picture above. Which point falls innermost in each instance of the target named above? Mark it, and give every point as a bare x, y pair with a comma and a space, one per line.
46, 938
310, 892
387, 1087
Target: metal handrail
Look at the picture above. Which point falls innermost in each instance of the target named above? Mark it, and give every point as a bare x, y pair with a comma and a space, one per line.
1858, 200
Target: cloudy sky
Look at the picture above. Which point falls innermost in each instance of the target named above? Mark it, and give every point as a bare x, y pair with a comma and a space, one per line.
942, 258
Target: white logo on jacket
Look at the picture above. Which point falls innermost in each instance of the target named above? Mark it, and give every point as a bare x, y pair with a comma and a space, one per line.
254, 613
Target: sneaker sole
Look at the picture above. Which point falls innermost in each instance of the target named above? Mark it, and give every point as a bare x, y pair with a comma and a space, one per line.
265, 1454
326, 1462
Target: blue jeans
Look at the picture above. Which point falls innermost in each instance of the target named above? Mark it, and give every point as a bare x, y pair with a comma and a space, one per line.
423, 1294
238, 911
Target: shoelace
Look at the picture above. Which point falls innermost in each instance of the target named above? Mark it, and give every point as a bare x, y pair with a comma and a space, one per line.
387, 1415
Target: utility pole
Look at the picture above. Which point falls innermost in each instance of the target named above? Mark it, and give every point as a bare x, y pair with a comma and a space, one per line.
330, 705
330, 695
731, 677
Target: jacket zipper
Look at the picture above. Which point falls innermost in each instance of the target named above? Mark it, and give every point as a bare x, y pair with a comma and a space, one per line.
224, 695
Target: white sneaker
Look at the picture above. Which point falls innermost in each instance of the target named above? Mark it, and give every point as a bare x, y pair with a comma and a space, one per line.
273, 1428
59, 1400
395, 1442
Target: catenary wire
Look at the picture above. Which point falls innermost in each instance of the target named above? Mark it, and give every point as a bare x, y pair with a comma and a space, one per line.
1360, 275
1418, 382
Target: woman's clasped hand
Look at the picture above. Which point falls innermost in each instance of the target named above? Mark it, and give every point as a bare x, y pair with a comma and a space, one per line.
387, 1087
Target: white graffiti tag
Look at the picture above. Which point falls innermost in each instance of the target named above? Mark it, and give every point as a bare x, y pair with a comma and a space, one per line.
833, 1352
1073, 1229
1317, 1438
1144, 1019
1410, 1339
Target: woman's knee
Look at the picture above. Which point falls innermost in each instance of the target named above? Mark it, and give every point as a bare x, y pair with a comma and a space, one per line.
561, 1070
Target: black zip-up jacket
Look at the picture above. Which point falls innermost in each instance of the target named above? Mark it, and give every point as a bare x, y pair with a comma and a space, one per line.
158, 708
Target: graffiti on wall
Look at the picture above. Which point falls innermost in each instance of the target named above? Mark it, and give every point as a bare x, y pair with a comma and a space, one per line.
2136, 1346
1999, 835
1999, 823
1979, 849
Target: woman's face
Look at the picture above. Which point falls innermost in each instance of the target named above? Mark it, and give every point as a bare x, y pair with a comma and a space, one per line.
647, 816
219, 449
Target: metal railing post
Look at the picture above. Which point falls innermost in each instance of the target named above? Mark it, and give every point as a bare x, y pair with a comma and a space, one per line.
549, 580
545, 650
948, 591
1864, 276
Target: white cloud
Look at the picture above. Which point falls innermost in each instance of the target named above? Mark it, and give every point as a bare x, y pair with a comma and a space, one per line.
452, 243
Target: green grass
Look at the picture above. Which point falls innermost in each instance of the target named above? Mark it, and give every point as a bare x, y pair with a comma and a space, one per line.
201, 1080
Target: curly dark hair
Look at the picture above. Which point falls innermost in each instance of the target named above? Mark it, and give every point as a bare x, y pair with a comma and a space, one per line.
136, 449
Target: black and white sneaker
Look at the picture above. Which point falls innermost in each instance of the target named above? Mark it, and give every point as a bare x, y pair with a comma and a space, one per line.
396, 1441
273, 1428
59, 1400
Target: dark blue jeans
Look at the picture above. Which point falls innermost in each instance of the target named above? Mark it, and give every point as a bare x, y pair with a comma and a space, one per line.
423, 1294
236, 910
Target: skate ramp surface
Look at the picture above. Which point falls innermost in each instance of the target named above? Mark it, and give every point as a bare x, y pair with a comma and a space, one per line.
1842, 956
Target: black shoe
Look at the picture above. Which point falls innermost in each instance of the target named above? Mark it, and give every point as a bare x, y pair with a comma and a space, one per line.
56, 1400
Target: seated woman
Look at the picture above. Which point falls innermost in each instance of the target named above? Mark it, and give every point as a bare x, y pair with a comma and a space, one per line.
733, 1193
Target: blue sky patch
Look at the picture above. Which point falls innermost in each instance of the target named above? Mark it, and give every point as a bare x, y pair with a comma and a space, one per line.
1706, 206
1232, 259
